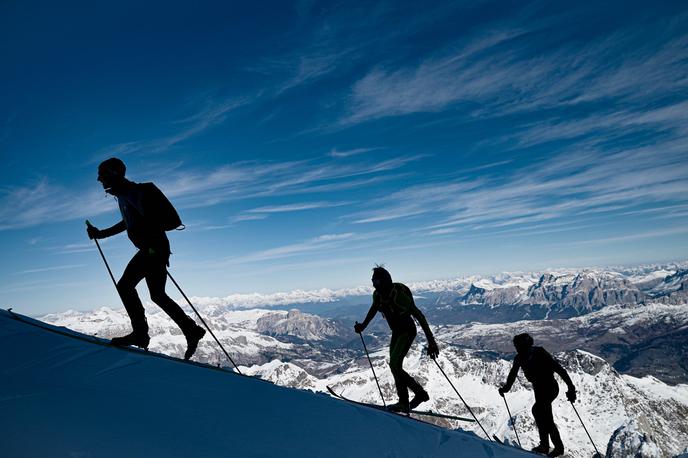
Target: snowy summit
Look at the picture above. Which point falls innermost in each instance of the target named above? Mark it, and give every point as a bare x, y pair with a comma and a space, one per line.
81, 398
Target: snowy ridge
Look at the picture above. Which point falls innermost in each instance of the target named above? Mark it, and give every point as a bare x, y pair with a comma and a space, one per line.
82, 399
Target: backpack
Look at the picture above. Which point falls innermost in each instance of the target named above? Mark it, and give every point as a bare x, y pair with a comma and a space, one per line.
159, 210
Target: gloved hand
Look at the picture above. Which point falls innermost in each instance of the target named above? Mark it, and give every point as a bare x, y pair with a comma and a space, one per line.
359, 328
502, 390
433, 350
571, 395
93, 232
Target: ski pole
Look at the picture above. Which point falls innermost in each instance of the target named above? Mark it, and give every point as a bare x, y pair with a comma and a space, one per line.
373, 369
88, 223
204, 323
586, 430
513, 423
462, 400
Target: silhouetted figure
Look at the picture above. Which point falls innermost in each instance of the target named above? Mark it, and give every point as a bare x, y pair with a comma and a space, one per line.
395, 302
539, 367
145, 216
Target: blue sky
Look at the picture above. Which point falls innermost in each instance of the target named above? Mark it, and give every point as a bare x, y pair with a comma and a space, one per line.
302, 142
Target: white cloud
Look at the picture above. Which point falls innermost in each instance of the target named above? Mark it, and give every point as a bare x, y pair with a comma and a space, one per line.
43, 202
575, 182
320, 243
295, 207
348, 153
212, 114
49, 269
497, 74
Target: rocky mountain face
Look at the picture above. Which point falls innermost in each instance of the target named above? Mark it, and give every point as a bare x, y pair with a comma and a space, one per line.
673, 289
298, 325
634, 439
640, 340
552, 296
583, 292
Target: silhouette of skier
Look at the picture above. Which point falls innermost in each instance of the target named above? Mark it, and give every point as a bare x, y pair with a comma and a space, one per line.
395, 302
143, 207
539, 368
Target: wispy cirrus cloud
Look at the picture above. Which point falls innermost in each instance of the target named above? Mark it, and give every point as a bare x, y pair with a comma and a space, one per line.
295, 207
499, 72
199, 187
260, 213
250, 179
578, 181
49, 269
42, 202
629, 237
319, 243
413, 201
670, 118
348, 153
213, 113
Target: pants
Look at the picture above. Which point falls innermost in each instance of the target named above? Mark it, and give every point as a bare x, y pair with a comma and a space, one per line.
542, 412
152, 267
398, 348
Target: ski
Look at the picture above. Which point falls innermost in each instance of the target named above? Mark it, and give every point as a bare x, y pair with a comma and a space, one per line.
499, 441
415, 412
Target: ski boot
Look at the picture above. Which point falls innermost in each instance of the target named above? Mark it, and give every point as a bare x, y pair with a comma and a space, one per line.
556, 451
399, 407
136, 339
193, 336
418, 399
542, 448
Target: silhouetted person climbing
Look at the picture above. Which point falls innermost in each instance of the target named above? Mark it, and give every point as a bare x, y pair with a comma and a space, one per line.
146, 214
539, 367
395, 301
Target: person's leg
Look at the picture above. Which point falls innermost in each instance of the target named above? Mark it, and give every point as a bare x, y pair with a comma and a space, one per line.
396, 359
399, 347
156, 278
551, 426
539, 414
126, 286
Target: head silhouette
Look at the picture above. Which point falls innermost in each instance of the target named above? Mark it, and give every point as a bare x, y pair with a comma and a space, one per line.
111, 174
382, 280
523, 343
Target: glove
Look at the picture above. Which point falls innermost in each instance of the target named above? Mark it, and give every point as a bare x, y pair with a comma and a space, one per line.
433, 350
359, 328
502, 390
93, 232
571, 395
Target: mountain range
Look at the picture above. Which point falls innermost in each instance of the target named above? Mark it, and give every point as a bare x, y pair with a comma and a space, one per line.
621, 332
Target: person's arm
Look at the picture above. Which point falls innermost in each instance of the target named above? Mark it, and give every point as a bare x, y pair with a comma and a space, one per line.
418, 315
559, 369
359, 327
95, 233
114, 230
511, 377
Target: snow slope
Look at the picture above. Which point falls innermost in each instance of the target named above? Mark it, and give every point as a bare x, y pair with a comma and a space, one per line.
65, 397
